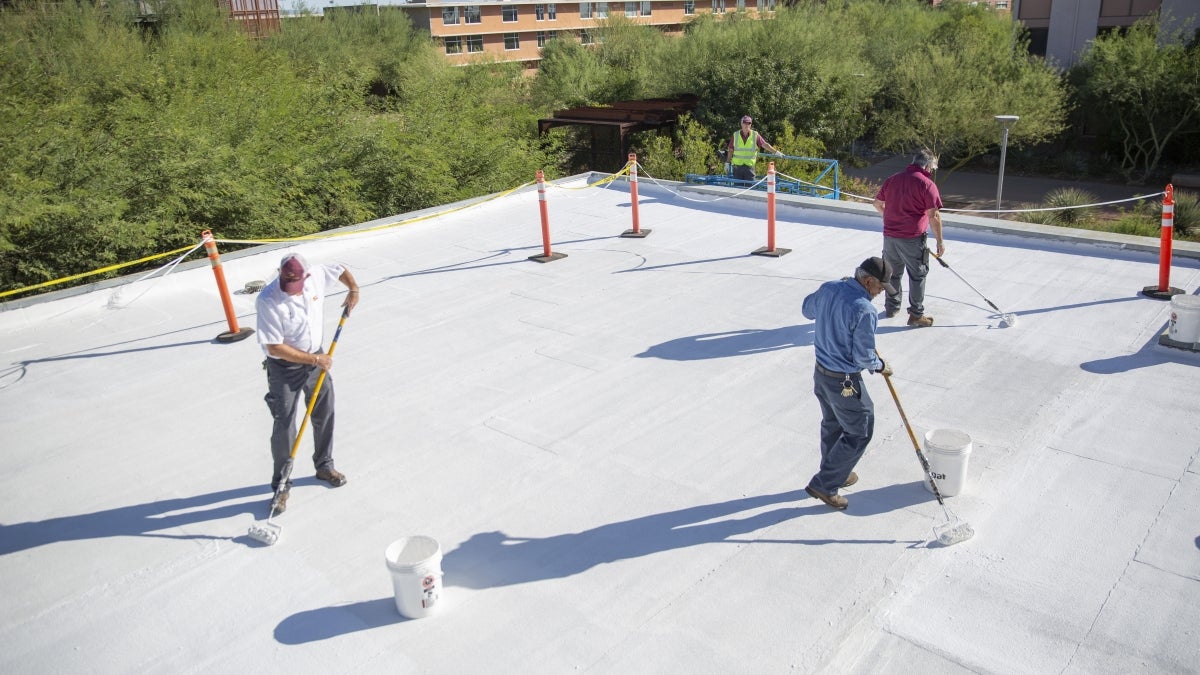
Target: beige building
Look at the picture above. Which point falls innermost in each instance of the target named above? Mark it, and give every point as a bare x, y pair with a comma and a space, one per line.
516, 30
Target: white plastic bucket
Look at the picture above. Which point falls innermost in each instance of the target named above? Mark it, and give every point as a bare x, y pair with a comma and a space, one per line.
416, 566
947, 451
1185, 318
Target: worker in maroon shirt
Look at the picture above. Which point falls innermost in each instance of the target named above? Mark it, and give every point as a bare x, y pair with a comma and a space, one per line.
909, 203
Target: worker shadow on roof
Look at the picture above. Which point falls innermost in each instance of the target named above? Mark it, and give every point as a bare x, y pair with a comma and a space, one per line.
156, 519
494, 559
740, 342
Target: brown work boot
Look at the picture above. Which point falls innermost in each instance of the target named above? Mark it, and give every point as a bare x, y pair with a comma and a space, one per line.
836, 501
850, 480
924, 321
279, 503
332, 476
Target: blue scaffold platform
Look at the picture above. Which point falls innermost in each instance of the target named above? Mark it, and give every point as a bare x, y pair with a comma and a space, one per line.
826, 185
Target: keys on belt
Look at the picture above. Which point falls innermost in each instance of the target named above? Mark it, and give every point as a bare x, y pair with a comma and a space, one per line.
847, 387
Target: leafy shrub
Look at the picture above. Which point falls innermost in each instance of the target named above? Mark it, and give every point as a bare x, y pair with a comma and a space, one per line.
1140, 224
672, 156
858, 189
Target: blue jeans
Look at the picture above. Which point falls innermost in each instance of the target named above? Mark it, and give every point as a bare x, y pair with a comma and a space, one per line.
847, 425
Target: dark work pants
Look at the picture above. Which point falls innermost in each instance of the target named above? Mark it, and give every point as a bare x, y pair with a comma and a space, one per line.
286, 382
847, 425
743, 172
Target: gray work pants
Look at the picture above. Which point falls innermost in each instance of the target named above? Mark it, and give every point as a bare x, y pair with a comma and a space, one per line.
911, 255
286, 382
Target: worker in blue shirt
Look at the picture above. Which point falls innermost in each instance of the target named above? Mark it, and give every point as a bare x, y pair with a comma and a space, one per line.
845, 346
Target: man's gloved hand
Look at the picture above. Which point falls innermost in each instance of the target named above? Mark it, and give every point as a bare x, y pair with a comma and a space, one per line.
885, 369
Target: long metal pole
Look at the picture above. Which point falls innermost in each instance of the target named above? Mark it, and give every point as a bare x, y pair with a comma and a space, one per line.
1000, 181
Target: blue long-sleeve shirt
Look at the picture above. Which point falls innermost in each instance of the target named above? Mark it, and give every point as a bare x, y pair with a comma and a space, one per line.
845, 326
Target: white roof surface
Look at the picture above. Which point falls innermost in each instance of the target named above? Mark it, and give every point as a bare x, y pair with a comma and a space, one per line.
611, 450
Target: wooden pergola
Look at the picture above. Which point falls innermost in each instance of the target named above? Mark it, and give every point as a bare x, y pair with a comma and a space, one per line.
611, 125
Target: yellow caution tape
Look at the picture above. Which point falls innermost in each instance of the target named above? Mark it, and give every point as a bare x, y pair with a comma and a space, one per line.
306, 237
102, 270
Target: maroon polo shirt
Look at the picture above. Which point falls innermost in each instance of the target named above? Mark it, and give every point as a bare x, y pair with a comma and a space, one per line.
907, 197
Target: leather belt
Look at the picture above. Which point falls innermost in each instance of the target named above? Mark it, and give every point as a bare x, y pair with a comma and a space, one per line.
833, 373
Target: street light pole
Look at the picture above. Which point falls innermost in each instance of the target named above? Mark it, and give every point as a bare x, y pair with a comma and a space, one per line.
1005, 121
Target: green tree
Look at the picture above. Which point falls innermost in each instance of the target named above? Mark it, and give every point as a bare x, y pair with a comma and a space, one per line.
1144, 91
950, 71
569, 75
672, 156
804, 68
629, 52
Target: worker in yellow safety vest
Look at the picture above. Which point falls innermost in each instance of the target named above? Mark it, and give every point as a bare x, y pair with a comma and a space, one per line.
743, 150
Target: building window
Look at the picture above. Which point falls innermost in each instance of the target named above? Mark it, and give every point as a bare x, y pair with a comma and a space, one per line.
474, 43
541, 36
601, 10
510, 13
1001, 4
631, 9
539, 12
718, 7
471, 14
450, 16
512, 41
585, 10
453, 45
586, 37
552, 12
741, 5
645, 7
689, 7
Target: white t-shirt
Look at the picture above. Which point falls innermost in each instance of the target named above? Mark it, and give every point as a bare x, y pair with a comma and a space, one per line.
295, 320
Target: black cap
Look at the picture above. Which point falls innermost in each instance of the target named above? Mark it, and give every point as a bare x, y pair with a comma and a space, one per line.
880, 269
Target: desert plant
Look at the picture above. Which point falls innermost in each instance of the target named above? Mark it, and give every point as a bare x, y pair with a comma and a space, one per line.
1073, 206
1037, 216
1186, 218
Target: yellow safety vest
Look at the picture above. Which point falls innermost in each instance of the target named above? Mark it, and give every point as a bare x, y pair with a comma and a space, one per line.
745, 152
